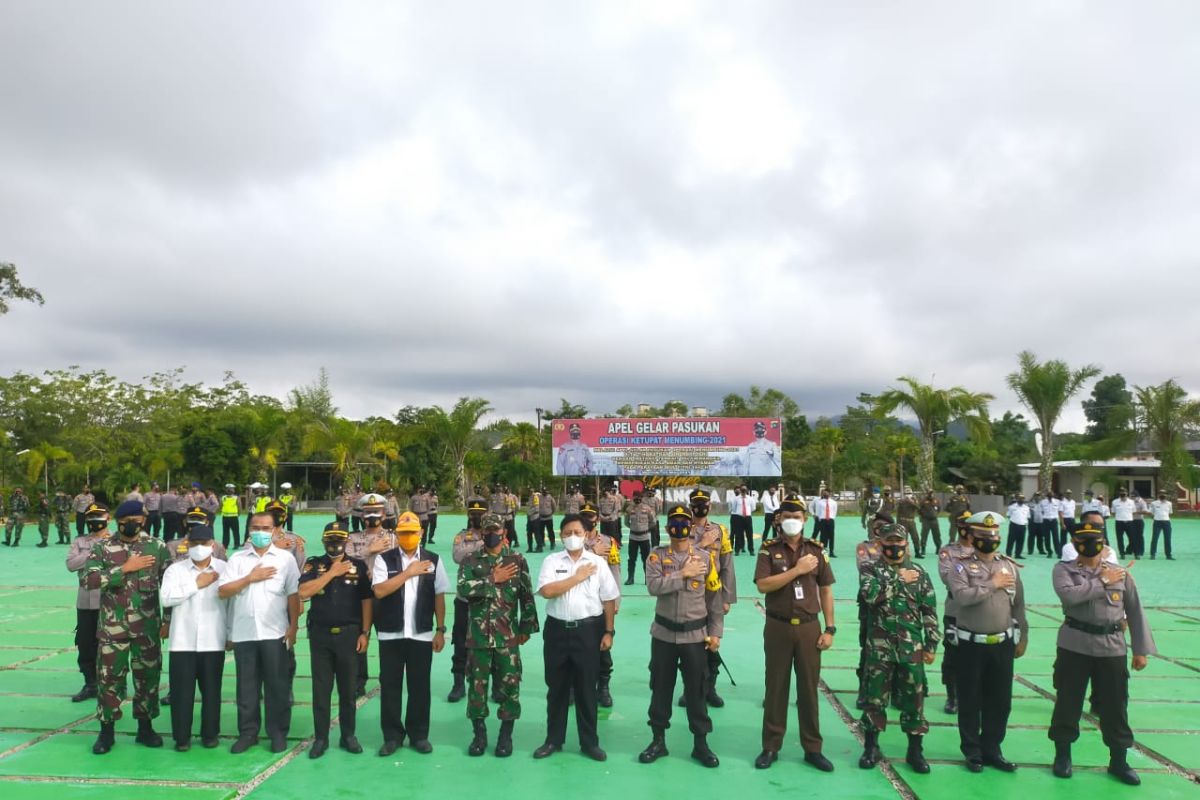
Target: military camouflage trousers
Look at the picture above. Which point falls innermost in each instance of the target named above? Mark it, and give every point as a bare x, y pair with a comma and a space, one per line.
63, 525
886, 681
114, 661
503, 666
17, 522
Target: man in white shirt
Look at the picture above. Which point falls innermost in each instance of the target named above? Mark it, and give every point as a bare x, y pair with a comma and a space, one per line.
1122, 510
741, 529
1018, 520
263, 586
770, 504
410, 585
1140, 509
199, 631
1066, 519
1050, 511
1161, 509
581, 596
824, 511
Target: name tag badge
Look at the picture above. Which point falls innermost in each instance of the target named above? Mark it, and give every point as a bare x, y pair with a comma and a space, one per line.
799, 591
559, 571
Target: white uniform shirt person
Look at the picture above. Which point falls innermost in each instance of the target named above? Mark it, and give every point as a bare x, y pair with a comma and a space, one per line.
581, 597
1018, 523
1122, 512
1161, 509
262, 584
199, 632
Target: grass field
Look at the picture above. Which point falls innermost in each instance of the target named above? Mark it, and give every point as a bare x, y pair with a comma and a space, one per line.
45, 739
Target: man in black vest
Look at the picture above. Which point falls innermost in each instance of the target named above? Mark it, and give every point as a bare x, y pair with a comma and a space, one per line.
410, 586
339, 590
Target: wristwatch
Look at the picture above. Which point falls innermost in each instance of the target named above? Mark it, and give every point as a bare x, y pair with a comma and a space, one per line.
611, 633
831, 629
441, 629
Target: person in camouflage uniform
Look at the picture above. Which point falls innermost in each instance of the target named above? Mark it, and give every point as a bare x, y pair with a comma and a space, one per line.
866, 553
903, 638
128, 569
42, 505
497, 586
18, 507
956, 505
906, 516
62, 512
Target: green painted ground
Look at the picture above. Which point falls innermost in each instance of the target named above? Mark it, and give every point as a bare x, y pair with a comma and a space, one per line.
45, 739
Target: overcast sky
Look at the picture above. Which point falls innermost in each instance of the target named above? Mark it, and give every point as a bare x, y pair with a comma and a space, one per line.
608, 202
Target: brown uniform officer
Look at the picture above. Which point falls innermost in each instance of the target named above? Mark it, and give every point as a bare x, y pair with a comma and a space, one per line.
714, 538
795, 575
607, 548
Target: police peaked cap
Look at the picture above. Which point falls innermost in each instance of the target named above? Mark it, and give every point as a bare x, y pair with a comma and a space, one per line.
793, 502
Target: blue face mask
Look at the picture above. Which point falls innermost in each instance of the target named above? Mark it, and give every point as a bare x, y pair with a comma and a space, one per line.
261, 539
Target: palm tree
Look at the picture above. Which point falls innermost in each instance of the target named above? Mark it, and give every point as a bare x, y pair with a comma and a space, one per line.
1169, 419
455, 432
829, 442
343, 441
40, 458
1044, 389
934, 409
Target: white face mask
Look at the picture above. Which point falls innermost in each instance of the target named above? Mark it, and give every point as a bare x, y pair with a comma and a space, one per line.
199, 552
792, 527
573, 543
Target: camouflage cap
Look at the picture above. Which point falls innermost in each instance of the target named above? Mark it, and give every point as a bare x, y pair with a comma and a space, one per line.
491, 521
893, 532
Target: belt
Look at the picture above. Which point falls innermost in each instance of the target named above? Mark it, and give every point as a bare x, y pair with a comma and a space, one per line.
801, 619
1095, 630
578, 623
347, 628
984, 638
680, 627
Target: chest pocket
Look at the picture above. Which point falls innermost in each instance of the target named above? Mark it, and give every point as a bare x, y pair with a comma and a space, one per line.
1115, 595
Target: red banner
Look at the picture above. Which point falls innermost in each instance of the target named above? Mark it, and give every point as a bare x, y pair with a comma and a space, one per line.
696, 446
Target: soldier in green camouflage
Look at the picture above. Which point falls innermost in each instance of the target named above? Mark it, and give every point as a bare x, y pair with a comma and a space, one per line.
18, 507
62, 514
496, 584
903, 638
42, 506
127, 570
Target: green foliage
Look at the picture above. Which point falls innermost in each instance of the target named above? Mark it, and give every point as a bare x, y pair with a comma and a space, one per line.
11, 288
1045, 389
1169, 418
1109, 410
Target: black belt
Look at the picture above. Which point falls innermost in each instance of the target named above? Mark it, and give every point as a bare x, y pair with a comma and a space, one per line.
680, 627
800, 619
351, 627
577, 623
1095, 630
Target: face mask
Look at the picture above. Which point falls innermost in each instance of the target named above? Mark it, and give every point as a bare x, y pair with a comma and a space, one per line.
894, 552
699, 510
589, 524
678, 530
199, 552
334, 549
792, 527
1089, 547
409, 541
373, 521
492, 539
474, 519
573, 543
96, 525
261, 539
130, 529
986, 545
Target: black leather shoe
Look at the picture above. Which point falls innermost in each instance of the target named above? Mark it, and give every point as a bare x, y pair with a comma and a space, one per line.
819, 761
350, 744
86, 693
106, 739
594, 753
1125, 774
146, 734
627, 583
654, 751
242, 745
1063, 768
319, 746
210, 743
278, 745
951, 706
389, 747
458, 691
974, 765
714, 699
422, 746
705, 756
546, 750
182, 747
765, 759
1000, 762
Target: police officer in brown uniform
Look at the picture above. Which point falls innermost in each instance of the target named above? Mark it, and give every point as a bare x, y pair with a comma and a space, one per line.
992, 632
948, 556
714, 538
795, 576
87, 601
1100, 601
689, 620
609, 549
610, 514
365, 546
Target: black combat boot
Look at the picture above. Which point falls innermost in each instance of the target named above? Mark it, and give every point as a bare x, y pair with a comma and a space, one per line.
710, 695
104, 742
702, 753
458, 691
871, 753
86, 693
1063, 768
146, 734
916, 754
1118, 767
603, 695
951, 706
504, 745
479, 743
656, 749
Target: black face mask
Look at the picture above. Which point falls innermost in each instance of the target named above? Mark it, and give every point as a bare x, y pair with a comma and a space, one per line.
130, 530
334, 549
373, 521
699, 510
96, 525
278, 519
986, 545
473, 520
894, 552
1089, 547
492, 539
589, 523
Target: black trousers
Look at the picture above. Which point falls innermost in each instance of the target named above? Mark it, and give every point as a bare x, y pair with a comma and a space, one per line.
188, 670
397, 657
666, 659
547, 530
424, 531
86, 622
154, 523
656, 535
458, 638
739, 527
231, 532
1124, 537
612, 529
1062, 535
172, 524
80, 523
825, 529
431, 526
931, 526
356, 524
1161, 526
1139, 537
510, 528
949, 654
1016, 540
333, 660
768, 521
606, 665
571, 655
533, 532
637, 550
985, 678
1109, 678
1050, 536
262, 669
